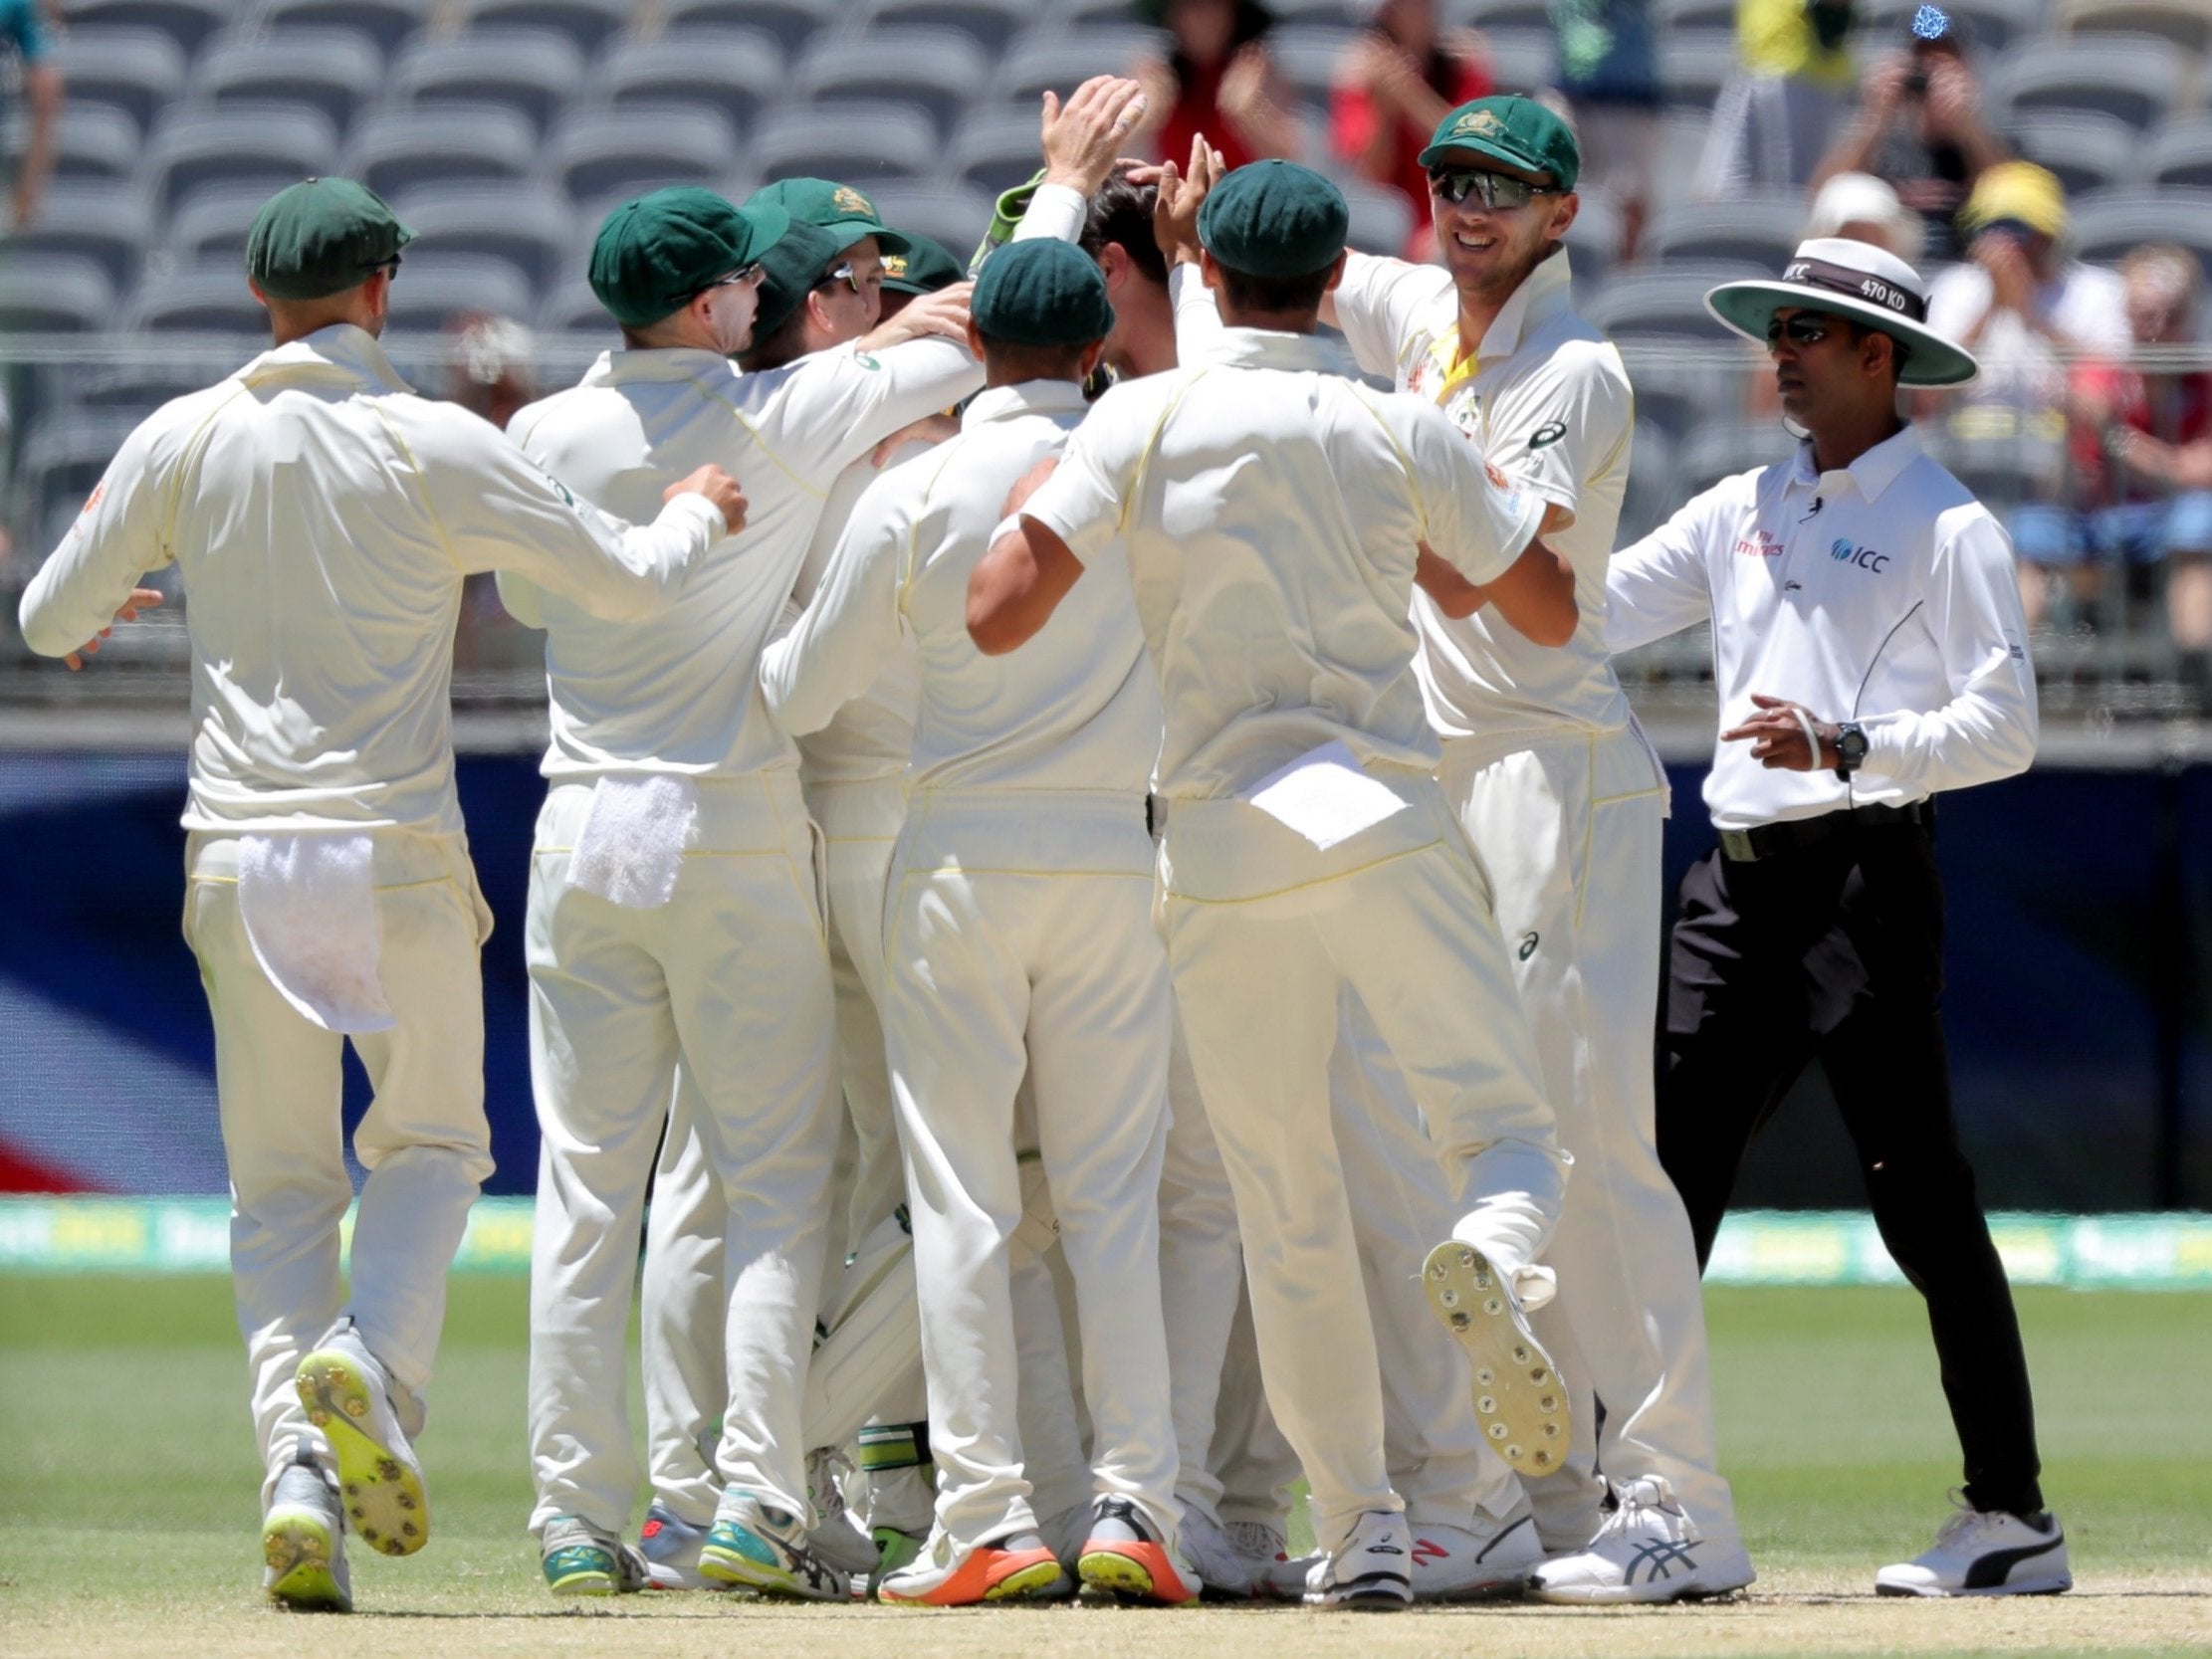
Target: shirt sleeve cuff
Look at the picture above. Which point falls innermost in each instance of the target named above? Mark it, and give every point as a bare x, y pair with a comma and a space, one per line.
1056, 211
704, 518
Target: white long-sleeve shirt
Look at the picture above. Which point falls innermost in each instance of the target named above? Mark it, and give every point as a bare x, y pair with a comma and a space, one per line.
322, 516
681, 694
1271, 513
1074, 709
1881, 592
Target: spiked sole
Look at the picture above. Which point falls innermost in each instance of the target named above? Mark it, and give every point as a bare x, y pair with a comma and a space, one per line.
1517, 1393
379, 1485
979, 1578
1133, 1572
297, 1549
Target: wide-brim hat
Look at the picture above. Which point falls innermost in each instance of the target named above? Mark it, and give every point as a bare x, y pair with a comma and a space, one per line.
1858, 281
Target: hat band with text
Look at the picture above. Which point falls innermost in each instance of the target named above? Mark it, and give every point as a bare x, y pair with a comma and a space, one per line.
1860, 284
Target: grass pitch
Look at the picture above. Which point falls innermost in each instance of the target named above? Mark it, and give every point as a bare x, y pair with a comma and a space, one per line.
129, 1526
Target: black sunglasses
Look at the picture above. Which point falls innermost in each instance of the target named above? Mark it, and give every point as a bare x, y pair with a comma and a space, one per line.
1802, 330
1495, 190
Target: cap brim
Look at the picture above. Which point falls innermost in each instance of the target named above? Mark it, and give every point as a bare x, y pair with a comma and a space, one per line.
765, 225
1475, 146
1746, 307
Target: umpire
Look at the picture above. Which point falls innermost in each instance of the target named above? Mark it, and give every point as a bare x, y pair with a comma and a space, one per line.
1869, 651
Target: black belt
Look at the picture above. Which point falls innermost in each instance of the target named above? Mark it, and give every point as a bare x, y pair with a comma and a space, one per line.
1749, 846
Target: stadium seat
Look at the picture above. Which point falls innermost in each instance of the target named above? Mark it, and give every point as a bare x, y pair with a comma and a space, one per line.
448, 143
2003, 472
1723, 449
2186, 23
141, 70
56, 294
1994, 24
1091, 14
533, 229
1693, 67
210, 224
937, 71
736, 73
990, 24
387, 22
1506, 14
955, 216
187, 22
1761, 229
1382, 218
589, 22
1653, 492
573, 308
2136, 77
643, 147
208, 299
141, 387
433, 287
1306, 58
334, 71
64, 458
1665, 304
91, 141
1678, 17
533, 72
1681, 146
2106, 227
1063, 58
857, 143
2181, 154
792, 22
104, 220
272, 146
1594, 240
2086, 150
1522, 60
995, 148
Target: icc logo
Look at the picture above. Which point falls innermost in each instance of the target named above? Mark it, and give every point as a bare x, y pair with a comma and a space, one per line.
1864, 558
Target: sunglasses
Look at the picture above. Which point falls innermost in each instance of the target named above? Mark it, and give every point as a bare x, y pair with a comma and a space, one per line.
1495, 190
742, 275
851, 279
1800, 331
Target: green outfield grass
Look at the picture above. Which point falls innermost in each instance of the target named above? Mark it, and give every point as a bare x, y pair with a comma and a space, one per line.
127, 1497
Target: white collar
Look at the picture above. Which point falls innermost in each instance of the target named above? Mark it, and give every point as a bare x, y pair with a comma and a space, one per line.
1543, 292
1873, 473
659, 362
1025, 397
1270, 349
338, 350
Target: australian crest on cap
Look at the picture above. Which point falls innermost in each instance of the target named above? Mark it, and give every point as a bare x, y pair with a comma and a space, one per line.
1477, 124
894, 265
852, 201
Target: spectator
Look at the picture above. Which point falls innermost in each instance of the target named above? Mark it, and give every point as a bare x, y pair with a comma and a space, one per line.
2027, 312
1776, 114
1395, 83
1919, 126
1609, 75
1217, 78
23, 28
2142, 452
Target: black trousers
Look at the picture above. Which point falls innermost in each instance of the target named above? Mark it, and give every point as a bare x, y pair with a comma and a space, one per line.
1837, 949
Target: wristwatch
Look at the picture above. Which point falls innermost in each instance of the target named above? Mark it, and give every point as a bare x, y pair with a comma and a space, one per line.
1851, 748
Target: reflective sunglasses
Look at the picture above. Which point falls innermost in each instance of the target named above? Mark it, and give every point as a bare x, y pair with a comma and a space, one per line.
1802, 330
845, 274
1495, 191
742, 275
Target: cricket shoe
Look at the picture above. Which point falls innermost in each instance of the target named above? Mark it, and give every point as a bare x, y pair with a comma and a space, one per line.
947, 1575
303, 1542
1470, 1564
579, 1559
1371, 1571
1517, 1393
838, 1536
1646, 1551
1270, 1566
348, 1396
754, 1545
1985, 1552
1130, 1559
670, 1546
1221, 1565
896, 1550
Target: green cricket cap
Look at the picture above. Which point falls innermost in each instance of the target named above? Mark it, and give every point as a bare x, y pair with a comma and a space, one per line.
1042, 292
1519, 132
788, 271
837, 208
1275, 219
320, 236
925, 268
655, 253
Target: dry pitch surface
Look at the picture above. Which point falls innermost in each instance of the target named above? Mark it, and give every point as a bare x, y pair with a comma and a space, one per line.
126, 1520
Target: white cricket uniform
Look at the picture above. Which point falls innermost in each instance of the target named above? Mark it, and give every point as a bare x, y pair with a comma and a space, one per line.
1018, 940
1272, 514
324, 517
674, 912
1564, 803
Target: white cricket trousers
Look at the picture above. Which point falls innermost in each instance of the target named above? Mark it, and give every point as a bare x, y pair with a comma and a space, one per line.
1263, 931
1019, 939
424, 1140
732, 977
1569, 831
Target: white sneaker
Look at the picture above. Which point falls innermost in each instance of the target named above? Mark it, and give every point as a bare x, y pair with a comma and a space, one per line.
1371, 1571
1221, 1565
303, 1542
1468, 1563
1519, 1399
670, 1546
1985, 1552
1269, 1565
1646, 1551
347, 1396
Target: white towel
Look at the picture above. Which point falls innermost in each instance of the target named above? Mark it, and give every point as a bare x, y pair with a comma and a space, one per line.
1325, 796
631, 847
308, 902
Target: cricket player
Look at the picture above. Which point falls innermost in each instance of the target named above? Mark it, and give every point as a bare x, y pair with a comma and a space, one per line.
1563, 801
324, 517
673, 909
1276, 519
1019, 941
